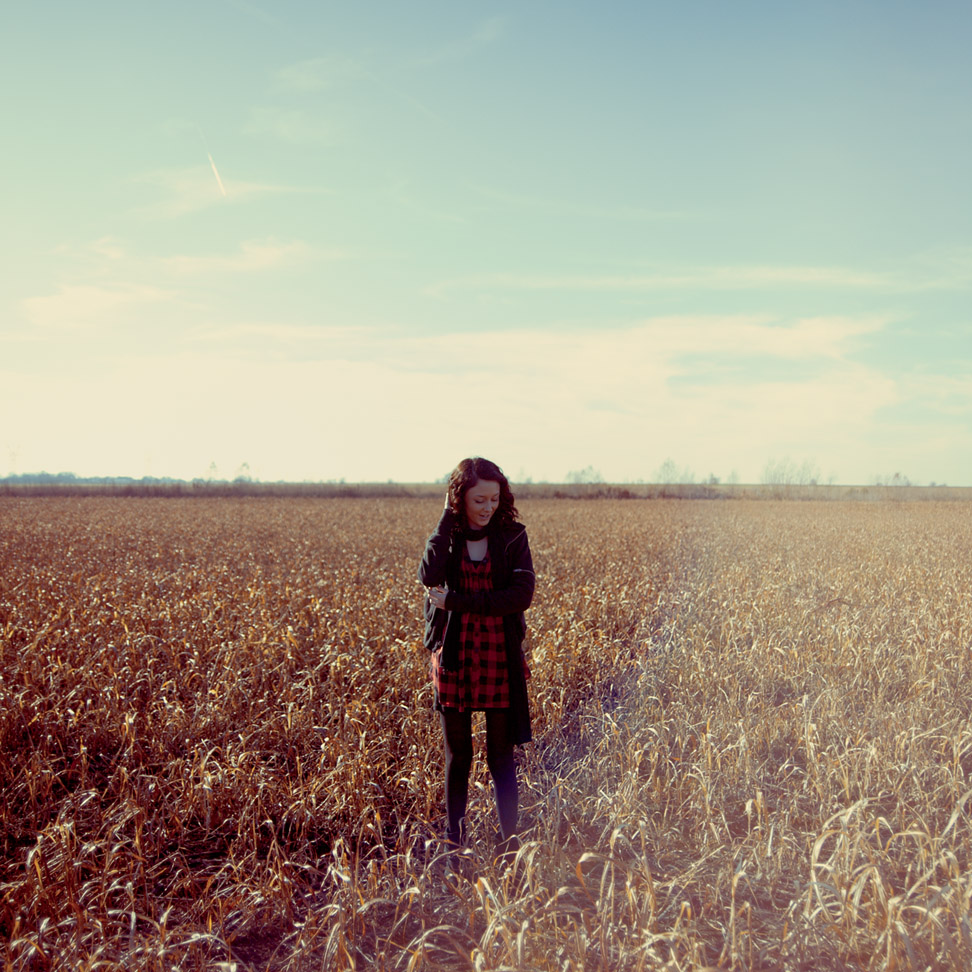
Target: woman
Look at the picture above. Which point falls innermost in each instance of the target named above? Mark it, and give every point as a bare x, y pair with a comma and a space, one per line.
479, 572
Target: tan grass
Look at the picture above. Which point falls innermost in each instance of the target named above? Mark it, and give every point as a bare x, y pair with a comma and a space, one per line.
752, 747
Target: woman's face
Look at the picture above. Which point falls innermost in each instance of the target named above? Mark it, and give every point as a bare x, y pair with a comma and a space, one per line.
481, 503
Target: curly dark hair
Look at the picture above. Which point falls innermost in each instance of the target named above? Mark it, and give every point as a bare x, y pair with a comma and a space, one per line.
467, 474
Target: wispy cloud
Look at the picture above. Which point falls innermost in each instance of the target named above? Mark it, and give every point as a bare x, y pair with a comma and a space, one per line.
403, 195
321, 73
104, 282
253, 256
192, 189
339, 341
923, 273
483, 35
948, 395
614, 398
655, 351
297, 125
109, 259
944, 270
108, 248
303, 125
83, 306
611, 397
623, 214
619, 395
804, 339
645, 355
728, 278
256, 11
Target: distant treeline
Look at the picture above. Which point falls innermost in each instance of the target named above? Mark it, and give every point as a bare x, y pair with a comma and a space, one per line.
67, 484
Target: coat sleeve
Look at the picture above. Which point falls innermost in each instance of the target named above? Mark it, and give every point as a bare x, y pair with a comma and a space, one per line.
432, 569
514, 598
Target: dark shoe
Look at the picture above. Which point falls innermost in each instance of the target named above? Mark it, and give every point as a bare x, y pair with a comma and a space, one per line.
454, 870
507, 851
456, 838
455, 854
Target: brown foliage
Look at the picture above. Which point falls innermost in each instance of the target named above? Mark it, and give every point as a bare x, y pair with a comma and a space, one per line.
216, 743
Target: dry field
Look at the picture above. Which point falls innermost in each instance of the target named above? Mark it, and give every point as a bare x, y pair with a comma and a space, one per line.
753, 743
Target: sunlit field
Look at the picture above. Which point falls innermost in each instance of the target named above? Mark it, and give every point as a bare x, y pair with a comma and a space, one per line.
752, 740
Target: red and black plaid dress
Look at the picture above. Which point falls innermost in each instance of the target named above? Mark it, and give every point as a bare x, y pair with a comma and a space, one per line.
480, 681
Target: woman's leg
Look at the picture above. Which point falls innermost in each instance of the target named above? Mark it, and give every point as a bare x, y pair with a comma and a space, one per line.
457, 735
501, 760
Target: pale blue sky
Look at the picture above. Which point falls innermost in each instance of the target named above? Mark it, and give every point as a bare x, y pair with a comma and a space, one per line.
364, 240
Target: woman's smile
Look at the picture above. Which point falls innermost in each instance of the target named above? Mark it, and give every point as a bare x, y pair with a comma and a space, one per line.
482, 501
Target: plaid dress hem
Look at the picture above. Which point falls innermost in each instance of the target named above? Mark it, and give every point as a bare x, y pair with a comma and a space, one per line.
481, 680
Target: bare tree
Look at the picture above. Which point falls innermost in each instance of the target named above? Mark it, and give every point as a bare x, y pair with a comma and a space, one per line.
786, 472
586, 475
668, 472
894, 479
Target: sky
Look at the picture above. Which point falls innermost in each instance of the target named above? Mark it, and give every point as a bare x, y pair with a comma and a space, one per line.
318, 241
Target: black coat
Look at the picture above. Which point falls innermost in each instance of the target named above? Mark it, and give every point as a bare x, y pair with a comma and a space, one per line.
513, 581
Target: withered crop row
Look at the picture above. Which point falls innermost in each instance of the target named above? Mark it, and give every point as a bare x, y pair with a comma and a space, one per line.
752, 750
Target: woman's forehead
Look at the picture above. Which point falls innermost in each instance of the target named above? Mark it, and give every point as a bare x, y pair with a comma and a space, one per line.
484, 487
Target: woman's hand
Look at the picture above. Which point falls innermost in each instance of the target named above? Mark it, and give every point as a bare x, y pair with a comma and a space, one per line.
437, 595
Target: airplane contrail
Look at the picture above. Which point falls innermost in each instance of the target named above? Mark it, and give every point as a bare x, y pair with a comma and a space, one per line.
212, 164
219, 181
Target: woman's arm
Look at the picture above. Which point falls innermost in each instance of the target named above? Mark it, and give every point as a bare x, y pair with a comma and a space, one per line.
432, 569
515, 598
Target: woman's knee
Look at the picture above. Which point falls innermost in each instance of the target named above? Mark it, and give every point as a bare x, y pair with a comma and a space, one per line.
457, 733
499, 742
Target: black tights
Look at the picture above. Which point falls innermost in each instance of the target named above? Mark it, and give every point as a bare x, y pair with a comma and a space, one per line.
457, 732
